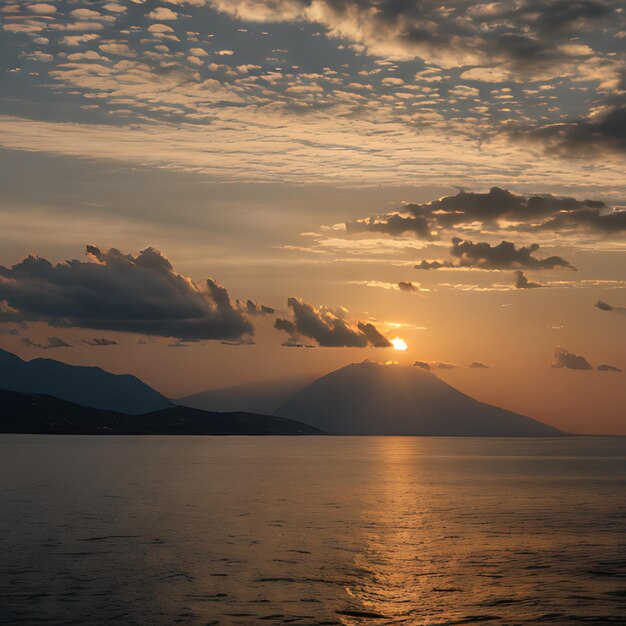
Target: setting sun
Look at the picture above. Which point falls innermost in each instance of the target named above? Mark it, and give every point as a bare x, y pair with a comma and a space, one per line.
399, 344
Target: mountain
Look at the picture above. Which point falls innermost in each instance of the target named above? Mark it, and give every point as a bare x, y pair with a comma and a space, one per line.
372, 399
254, 397
41, 414
89, 386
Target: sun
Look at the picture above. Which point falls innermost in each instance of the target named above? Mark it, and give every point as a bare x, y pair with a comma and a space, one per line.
399, 344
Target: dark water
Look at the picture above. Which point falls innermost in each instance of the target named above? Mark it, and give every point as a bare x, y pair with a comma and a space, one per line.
203, 530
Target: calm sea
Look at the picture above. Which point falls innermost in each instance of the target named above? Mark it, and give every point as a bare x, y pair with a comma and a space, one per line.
315, 530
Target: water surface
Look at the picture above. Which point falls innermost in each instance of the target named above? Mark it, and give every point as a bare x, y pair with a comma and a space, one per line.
312, 530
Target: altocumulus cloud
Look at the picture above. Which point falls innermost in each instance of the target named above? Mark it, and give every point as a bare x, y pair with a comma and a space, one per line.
120, 292
328, 328
521, 39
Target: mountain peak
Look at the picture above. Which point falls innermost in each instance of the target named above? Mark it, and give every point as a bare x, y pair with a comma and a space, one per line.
5, 355
370, 398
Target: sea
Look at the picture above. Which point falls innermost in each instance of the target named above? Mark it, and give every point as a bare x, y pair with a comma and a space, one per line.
312, 530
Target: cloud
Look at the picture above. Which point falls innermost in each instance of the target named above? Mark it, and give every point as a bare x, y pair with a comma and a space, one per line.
99, 341
567, 360
604, 306
432, 365
423, 365
162, 13
120, 292
601, 133
478, 365
393, 224
522, 40
591, 219
505, 255
608, 368
252, 308
521, 282
53, 342
429, 366
496, 209
328, 328
408, 287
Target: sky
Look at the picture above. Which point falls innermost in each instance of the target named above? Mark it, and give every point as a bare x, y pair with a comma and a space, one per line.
214, 192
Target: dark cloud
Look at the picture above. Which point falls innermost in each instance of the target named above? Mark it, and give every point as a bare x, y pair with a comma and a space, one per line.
252, 308
521, 282
328, 328
423, 365
393, 224
589, 218
604, 306
608, 368
478, 366
522, 213
99, 341
53, 342
407, 286
503, 256
567, 360
434, 265
586, 137
120, 292
565, 16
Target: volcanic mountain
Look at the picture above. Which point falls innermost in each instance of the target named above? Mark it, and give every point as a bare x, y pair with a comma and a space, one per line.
373, 399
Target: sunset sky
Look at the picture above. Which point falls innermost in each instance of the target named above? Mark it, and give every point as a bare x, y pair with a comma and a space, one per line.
213, 192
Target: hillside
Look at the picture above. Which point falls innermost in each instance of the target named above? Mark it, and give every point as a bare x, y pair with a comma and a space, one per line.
88, 386
40, 414
263, 397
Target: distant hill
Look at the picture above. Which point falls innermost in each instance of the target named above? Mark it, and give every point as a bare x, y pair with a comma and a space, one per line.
41, 414
254, 397
89, 386
373, 399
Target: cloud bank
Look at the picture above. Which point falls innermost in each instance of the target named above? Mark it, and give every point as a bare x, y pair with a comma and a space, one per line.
498, 209
120, 292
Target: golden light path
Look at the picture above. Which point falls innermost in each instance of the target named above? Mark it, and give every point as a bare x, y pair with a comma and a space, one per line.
399, 344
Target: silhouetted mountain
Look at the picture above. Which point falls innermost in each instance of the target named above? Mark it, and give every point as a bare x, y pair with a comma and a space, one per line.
372, 399
254, 397
41, 414
89, 386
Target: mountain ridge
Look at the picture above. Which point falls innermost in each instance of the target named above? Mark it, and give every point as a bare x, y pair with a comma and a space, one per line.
43, 414
89, 386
